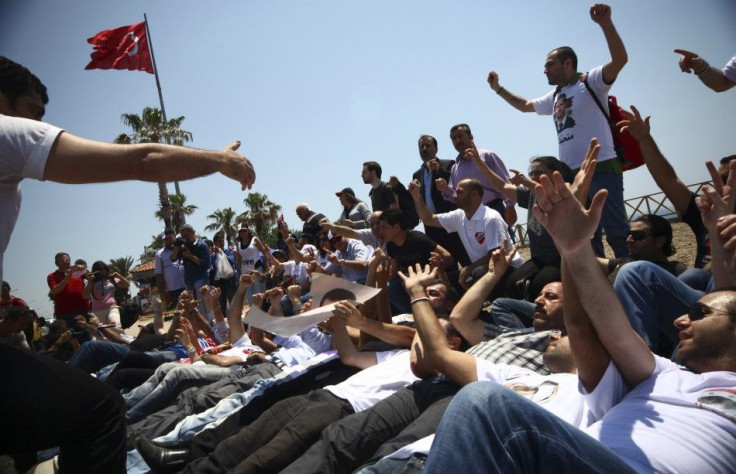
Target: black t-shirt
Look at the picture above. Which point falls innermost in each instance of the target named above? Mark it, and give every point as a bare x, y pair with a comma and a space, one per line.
382, 197
694, 219
416, 249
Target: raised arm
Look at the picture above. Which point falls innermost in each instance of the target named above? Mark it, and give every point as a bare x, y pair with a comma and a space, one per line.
591, 358
339, 229
519, 103
422, 210
712, 77
464, 316
571, 226
660, 169
349, 354
78, 160
600, 13
458, 366
498, 183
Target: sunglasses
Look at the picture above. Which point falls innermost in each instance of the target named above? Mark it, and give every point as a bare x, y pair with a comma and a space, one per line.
638, 235
699, 311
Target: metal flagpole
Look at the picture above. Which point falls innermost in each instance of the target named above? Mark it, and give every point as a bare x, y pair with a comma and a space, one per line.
158, 86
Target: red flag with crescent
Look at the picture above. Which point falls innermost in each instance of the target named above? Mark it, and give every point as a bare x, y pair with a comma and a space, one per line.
125, 47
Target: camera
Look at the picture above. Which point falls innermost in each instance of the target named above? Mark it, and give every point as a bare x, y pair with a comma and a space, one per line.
179, 242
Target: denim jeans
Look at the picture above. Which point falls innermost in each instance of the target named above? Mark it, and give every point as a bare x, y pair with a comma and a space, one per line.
653, 298
613, 218
501, 431
512, 313
94, 355
697, 278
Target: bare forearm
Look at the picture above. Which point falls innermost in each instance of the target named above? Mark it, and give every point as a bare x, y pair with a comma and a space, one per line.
616, 47
664, 175
392, 333
519, 103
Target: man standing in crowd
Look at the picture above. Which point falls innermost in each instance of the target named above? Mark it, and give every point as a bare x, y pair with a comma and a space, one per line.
382, 196
311, 221
464, 168
169, 273
67, 288
196, 257
70, 409
573, 92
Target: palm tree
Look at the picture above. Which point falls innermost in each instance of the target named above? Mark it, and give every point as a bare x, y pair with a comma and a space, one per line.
150, 127
179, 208
121, 265
223, 221
261, 213
149, 251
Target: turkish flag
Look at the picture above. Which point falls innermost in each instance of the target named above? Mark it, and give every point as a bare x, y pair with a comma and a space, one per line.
121, 48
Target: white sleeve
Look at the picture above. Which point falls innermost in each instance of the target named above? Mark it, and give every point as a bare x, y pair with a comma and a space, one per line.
449, 221
729, 70
24, 147
544, 105
496, 233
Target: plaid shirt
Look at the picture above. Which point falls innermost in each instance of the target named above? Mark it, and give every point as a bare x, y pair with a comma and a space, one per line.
523, 348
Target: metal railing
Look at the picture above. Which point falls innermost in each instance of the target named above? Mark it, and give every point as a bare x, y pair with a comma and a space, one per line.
656, 203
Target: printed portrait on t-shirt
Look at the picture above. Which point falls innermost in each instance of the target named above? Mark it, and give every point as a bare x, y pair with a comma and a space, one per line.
562, 113
721, 401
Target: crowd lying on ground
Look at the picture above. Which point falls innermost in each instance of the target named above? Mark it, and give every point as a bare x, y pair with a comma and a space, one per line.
566, 362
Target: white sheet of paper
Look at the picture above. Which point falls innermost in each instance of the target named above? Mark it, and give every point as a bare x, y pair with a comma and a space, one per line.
326, 291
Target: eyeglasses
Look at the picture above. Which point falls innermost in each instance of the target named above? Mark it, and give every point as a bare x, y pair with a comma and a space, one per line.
638, 235
699, 311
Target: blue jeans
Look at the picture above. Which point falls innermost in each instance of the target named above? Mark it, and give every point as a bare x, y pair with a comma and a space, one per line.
653, 298
94, 355
397, 296
697, 278
489, 428
613, 219
512, 313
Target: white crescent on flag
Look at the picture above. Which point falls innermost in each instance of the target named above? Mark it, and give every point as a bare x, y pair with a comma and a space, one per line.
133, 51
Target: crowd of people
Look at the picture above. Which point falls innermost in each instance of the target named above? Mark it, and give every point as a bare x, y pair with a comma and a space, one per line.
468, 358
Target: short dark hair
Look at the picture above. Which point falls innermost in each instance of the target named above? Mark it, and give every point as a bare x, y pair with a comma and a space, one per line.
563, 53
98, 265
434, 140
219, 235
17, 81
337, 294
459, 126
5, 283
659, 227
17, 311
553, 164
727, 159
393, 217
58, 256
373, 166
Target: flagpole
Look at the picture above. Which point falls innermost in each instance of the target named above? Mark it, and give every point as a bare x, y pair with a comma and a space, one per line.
158, 86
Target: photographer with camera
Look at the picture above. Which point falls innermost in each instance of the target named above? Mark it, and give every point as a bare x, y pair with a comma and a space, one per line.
100, 290
196, 257
169, 274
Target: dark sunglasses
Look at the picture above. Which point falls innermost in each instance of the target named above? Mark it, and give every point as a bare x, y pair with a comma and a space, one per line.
699, 311
638, 235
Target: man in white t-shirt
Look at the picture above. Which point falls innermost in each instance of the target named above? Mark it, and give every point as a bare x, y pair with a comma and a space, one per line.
578, 119
653, 415
90, 427
169, 274
481, 229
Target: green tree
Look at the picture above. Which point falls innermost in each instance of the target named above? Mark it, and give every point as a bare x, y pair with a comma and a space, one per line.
149, 251
223, 220
150, 127
121, 265
179, 209
261, 213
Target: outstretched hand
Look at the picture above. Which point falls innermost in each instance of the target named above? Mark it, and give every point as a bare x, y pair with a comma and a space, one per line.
688, 61
634, 124
238, 167
565, 218
418, 278
717, 201
501, 259
581, 184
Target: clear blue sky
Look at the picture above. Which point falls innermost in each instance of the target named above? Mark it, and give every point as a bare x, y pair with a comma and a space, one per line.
313, 89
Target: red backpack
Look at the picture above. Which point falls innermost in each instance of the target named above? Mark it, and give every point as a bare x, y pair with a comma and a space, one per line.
627, 147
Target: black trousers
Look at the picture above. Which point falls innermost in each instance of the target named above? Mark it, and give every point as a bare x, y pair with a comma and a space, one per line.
46, 403
278, 437
404, 417
330, 373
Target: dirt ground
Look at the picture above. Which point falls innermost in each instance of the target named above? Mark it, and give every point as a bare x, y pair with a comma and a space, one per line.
682, 238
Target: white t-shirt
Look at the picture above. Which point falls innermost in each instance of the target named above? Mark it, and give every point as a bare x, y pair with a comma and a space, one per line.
298, 270
579, 119
392, 372
675, 421
249, 256
242, 348
24, 147
483, 232
302, 347
557, 393
729, 70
